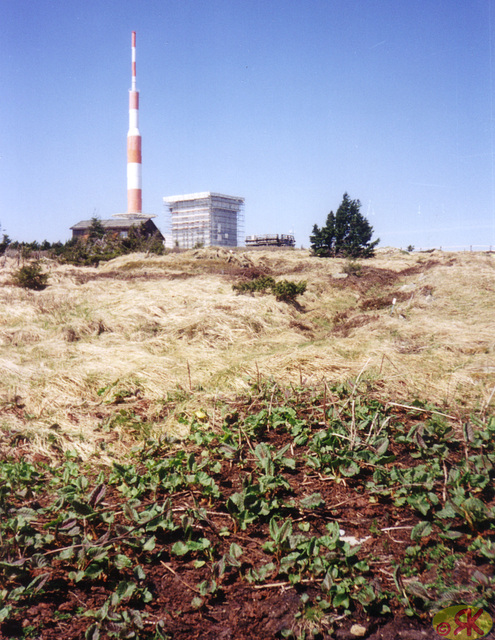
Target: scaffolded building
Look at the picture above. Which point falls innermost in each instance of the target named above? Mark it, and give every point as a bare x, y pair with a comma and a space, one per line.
205, 219
271, 240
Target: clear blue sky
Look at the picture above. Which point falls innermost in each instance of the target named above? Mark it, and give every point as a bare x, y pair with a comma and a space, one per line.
286, 103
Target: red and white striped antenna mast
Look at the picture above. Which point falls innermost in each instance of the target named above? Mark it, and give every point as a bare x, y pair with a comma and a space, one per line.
134, 189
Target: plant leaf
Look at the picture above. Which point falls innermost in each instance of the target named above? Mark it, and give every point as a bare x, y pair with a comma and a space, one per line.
97, 495
421, 530
417, 589
312, 501
122, 562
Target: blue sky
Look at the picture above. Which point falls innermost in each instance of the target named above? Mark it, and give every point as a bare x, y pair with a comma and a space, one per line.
286, 103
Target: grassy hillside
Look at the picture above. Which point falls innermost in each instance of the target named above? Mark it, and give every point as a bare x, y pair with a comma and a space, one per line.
155, 337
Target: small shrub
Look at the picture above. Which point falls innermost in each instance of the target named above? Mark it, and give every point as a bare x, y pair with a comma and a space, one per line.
284, 290
31, 276
287, 291
352, 268
260, 284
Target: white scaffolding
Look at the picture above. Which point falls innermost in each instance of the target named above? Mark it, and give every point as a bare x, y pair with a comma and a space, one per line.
205, 219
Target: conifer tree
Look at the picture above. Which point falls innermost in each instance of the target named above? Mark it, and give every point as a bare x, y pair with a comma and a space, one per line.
96, 229
346, 233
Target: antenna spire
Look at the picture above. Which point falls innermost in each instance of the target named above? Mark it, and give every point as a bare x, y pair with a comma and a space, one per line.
133, 49
134, 190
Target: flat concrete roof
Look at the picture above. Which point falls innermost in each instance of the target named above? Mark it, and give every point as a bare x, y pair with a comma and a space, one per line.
199, 196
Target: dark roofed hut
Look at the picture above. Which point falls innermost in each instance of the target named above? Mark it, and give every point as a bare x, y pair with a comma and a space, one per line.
117, 226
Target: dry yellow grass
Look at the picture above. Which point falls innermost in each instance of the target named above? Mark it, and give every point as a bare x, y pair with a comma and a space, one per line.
150, 337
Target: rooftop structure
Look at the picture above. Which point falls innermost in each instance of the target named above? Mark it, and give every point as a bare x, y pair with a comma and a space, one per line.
205, 219
118, 227
271, 240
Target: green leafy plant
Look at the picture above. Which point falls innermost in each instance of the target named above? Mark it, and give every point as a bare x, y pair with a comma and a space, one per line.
258, 503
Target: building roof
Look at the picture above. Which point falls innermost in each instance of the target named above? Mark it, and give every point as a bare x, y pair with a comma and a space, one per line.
116, 223
201, 195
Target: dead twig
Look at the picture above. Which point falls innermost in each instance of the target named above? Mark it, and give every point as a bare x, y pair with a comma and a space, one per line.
407, 406
169, 568
444, 489
189, 376
487, 403
274, 585
391, 362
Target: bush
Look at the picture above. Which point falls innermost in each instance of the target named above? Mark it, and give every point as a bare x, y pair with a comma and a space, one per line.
260, 284
31, 276
352, 268
285, 290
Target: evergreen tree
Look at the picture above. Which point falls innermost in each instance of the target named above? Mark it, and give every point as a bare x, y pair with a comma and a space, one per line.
6, 241
346, 233
96, 229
